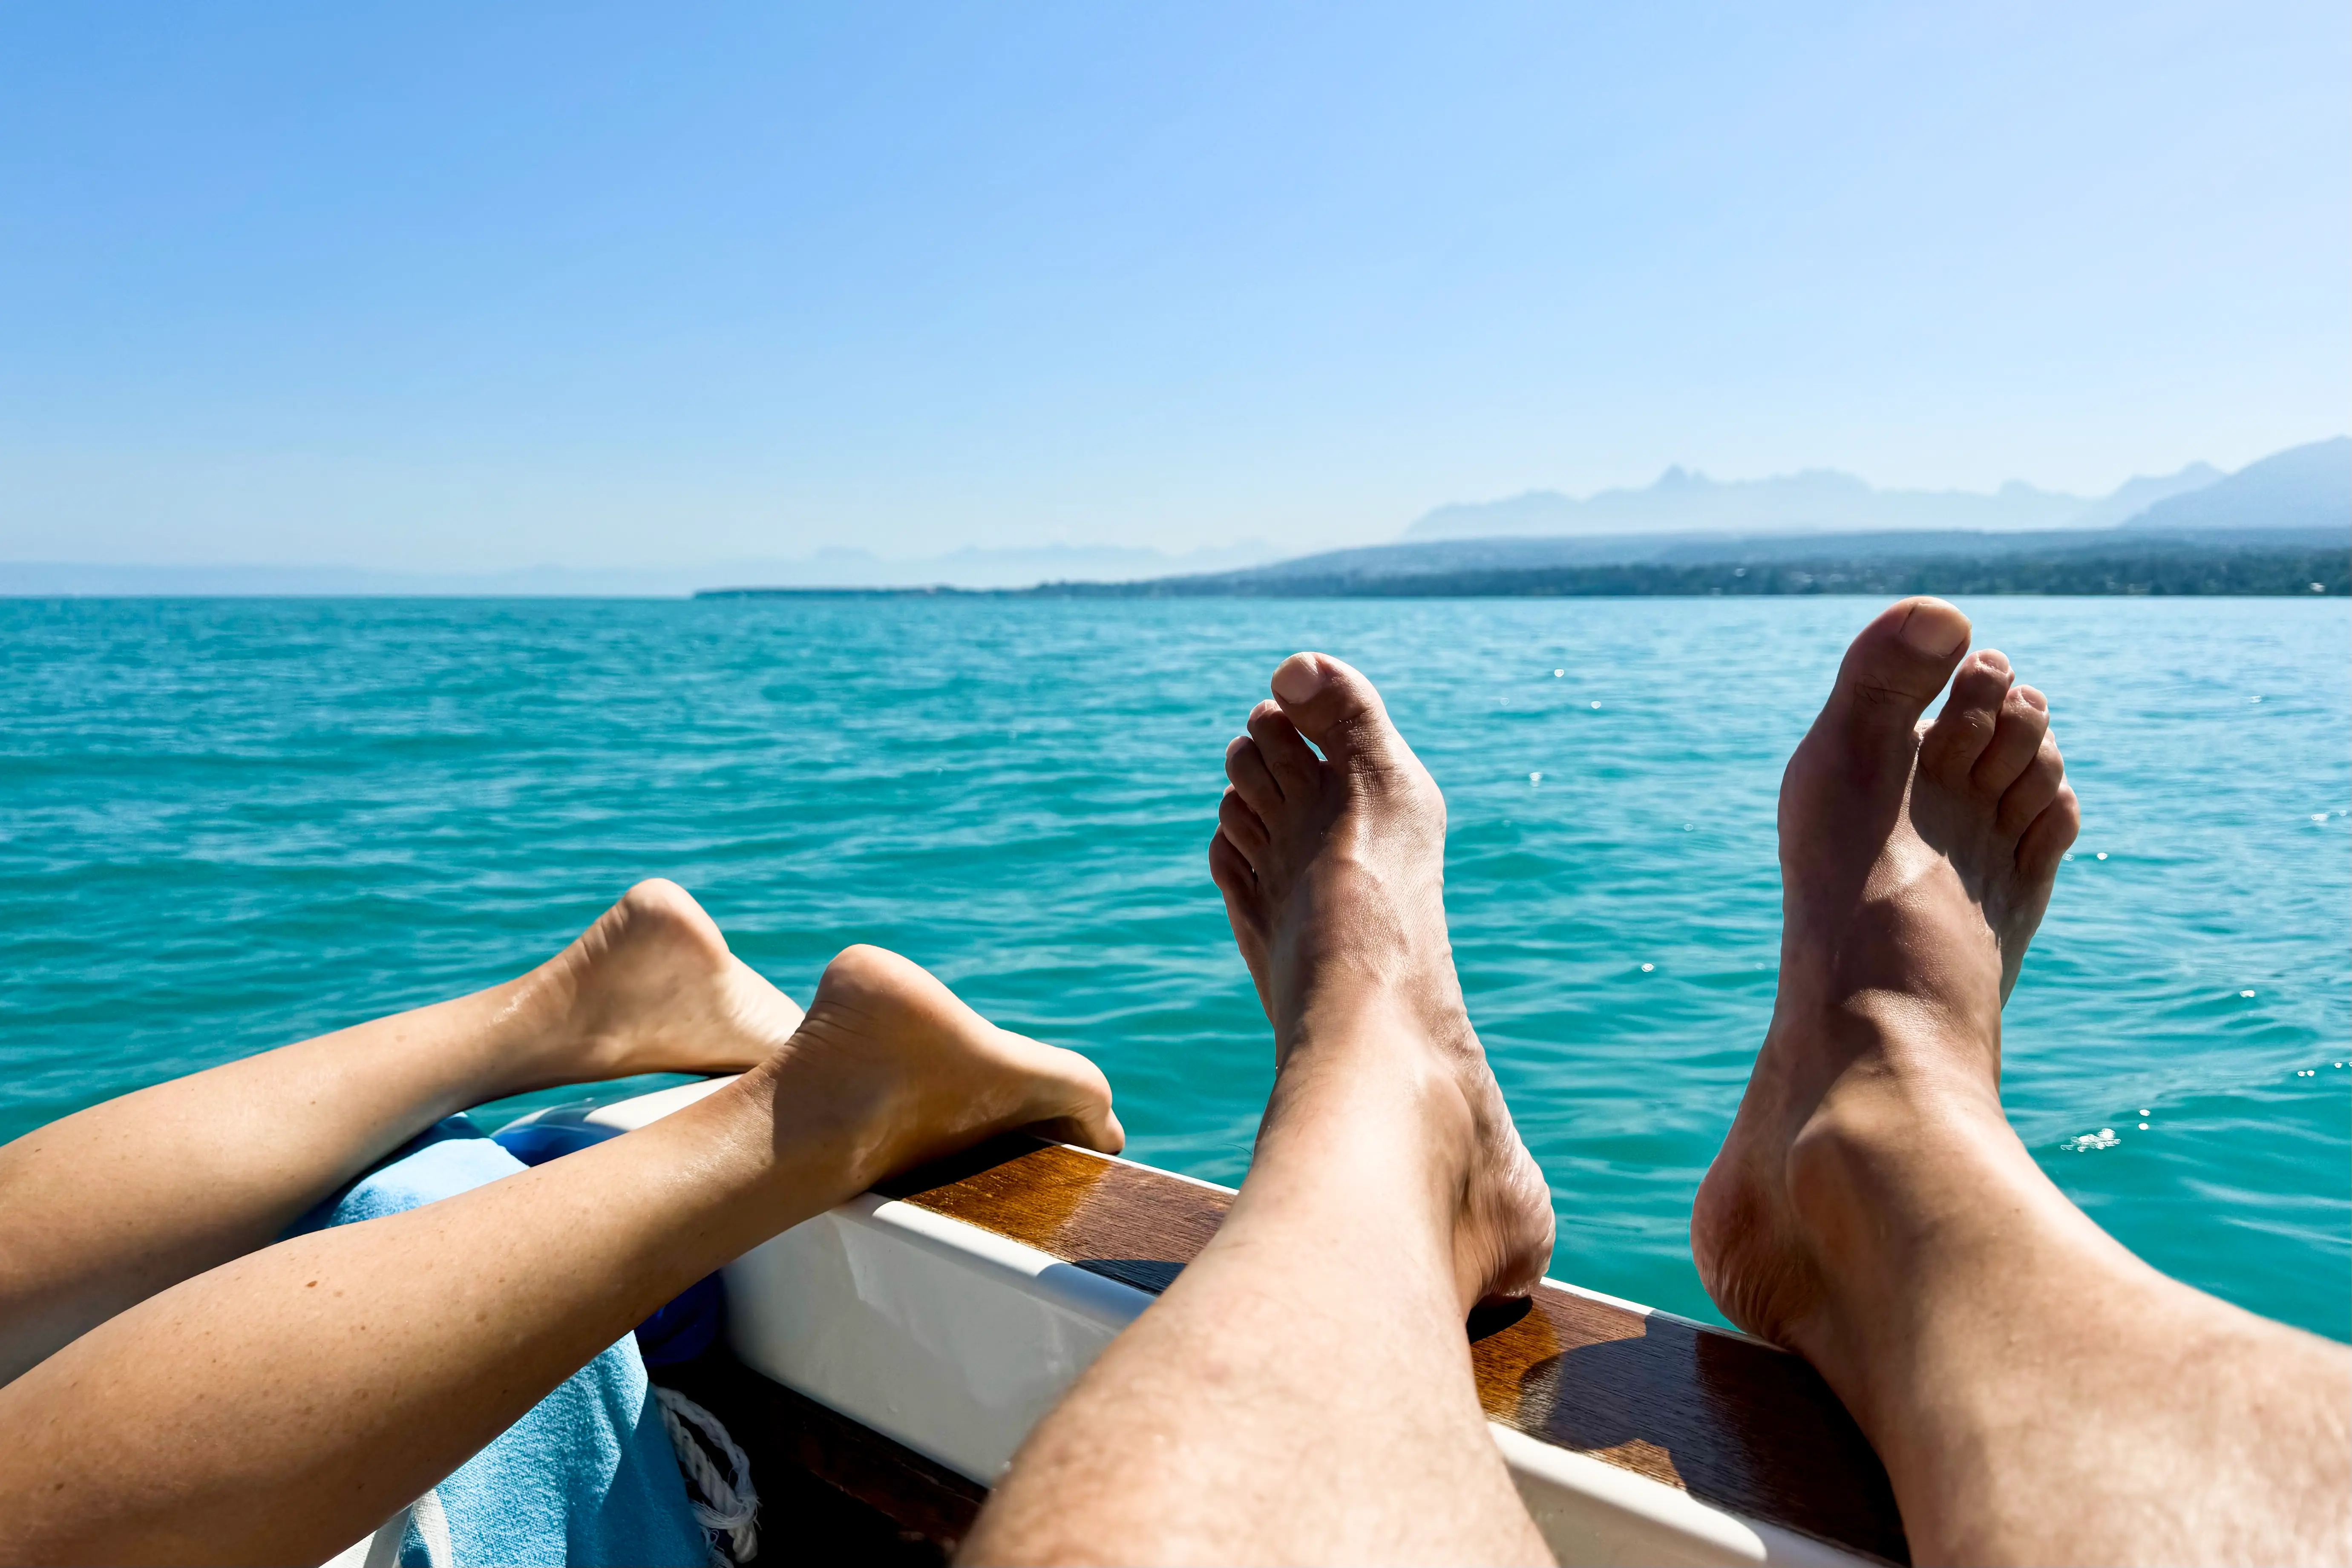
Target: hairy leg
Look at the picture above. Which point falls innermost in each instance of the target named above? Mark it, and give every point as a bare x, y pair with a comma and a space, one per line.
102, 1209
1303, 1392
2038, 1394
282, 1404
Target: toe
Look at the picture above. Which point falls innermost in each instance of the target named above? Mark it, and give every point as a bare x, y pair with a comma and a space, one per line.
1893, 669
2049, 836
1229, 867
1334, 706
1230, 870
2035, 788
2016, 742
1964, 729
1245, 766
1295, 769
1242, 828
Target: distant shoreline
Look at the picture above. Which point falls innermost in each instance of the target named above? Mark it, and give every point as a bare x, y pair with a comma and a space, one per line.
2142, 572
2261, 563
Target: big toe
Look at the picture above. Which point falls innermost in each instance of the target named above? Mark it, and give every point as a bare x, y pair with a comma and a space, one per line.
1893, 669
1333, 705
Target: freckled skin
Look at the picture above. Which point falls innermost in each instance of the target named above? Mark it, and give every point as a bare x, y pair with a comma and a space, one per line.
1871, 1209
275, 1403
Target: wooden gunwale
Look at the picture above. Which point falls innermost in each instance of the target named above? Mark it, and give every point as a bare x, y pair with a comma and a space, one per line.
1732, 1422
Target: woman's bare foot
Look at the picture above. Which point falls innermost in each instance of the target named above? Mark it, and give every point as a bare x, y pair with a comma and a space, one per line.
1916, 862
652, 987
921, 1075
1332, 869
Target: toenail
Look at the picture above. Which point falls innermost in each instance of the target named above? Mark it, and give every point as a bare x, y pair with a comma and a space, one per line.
1299, 678
1928, 627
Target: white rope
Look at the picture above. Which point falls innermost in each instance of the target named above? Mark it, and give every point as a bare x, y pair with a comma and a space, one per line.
383, 1546
730, 1505
432, 1523
433, 1528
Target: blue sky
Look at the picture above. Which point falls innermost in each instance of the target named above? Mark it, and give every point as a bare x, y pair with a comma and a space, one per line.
460, 288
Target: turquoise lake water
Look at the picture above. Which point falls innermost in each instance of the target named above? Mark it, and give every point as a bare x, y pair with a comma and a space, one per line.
226, 824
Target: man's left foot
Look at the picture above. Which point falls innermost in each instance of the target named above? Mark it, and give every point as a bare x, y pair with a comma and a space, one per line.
1916, 862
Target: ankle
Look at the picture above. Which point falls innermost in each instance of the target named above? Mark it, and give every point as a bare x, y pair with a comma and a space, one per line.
540, 1031
1893, 1182
799, 1113
1369, 1019
1879, 1144
1376, 1086
506, 1040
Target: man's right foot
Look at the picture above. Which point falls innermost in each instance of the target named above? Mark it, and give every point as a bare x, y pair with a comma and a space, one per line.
1333, 870
1916, 863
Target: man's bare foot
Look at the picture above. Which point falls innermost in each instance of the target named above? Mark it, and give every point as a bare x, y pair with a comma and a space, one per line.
1332, 869
1916, 863
921, 1075
1873, 1209
652, 987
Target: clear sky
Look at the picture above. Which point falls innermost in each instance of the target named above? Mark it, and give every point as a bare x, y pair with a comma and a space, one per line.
466, 287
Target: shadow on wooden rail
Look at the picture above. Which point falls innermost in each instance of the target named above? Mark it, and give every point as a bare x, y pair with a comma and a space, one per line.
1733, 1423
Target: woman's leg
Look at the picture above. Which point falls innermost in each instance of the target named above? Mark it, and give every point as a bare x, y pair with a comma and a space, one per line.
1303, 1392
101, 1209
284, 1403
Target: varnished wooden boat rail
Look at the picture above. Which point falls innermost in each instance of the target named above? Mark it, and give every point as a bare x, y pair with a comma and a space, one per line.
896, 1351
1730, 1423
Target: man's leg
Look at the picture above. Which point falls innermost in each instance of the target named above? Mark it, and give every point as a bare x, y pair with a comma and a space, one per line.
1303, 1392
285, 1403
102, 1209
2037, 1392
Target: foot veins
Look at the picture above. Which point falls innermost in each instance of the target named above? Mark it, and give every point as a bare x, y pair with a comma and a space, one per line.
1332, 869
1916, 860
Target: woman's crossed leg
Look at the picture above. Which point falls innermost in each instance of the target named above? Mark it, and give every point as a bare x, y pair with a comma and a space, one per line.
183, 1388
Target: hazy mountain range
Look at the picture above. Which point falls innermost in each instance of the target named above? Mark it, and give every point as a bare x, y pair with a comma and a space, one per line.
2303, 487
2300, 499
1819, 500
1685, 516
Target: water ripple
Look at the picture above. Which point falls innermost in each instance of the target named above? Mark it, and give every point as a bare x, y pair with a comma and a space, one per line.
226, 824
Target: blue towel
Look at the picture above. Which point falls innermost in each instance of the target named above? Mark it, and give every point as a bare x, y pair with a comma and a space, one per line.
587, 1475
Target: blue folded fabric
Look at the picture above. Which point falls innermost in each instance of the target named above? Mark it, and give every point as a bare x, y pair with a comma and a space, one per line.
587, 1475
